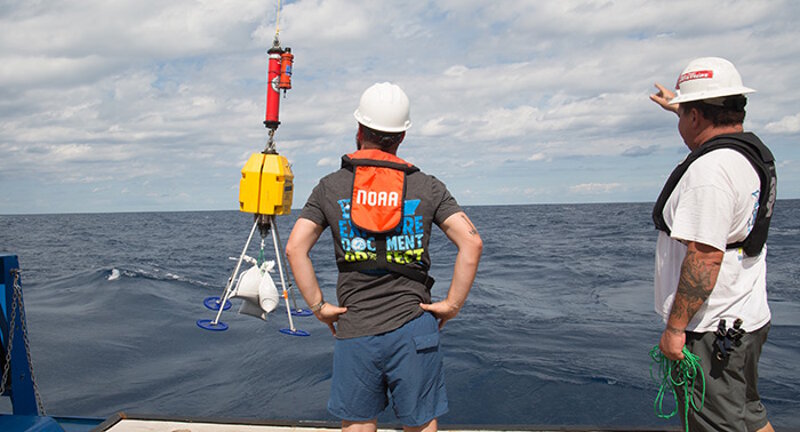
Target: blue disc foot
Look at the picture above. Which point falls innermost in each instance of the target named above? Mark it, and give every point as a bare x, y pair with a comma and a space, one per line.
302, 312
294, 332
213, 303
206, 324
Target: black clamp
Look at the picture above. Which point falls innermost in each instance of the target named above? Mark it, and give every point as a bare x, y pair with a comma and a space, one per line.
264, 224
727, 338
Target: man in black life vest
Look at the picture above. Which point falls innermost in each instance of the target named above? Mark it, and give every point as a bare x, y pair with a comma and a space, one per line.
713, 218
381, 209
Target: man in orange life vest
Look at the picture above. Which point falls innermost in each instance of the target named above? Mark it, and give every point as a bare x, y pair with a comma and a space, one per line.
381, 209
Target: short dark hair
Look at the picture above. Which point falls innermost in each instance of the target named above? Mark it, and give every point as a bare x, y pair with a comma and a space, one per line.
383, 139
731, 112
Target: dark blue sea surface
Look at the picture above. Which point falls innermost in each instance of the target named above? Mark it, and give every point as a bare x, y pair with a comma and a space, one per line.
556, 330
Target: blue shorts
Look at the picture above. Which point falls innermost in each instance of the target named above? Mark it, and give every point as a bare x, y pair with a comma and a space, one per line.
406, 362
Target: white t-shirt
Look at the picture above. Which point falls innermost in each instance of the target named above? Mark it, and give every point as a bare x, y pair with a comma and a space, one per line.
715, 203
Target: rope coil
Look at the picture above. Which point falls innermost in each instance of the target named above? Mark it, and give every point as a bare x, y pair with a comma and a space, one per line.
672, 375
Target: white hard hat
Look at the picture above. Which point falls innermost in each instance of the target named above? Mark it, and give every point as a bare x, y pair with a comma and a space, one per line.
384, 107
708, 78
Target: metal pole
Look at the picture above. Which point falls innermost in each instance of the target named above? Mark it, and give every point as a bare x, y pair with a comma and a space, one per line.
227, 291
280, 271
22, 385
288, 273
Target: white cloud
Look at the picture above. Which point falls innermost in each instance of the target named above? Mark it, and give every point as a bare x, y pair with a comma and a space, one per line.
332, 21
18, 70
329, 162
786, 125
440, 126
100, 93
468, 164
594, 188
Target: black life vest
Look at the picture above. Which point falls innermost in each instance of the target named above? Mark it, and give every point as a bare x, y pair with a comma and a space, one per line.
762, 161
376, 207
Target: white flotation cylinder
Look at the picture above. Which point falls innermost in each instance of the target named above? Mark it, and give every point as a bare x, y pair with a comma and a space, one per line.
247, 286
268, 293
257, 290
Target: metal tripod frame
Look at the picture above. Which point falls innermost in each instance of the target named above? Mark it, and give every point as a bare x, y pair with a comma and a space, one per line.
272, 226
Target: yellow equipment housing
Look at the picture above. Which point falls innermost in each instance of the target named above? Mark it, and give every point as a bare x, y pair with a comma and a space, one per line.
266, 186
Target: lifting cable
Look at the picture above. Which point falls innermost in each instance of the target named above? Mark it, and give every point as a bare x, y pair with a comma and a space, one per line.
278, 20
674, 375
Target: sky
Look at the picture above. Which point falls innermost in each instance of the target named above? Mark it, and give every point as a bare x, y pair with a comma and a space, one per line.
147, 105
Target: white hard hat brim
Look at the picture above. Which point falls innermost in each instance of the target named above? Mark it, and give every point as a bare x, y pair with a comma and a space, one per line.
711, 94
366, 121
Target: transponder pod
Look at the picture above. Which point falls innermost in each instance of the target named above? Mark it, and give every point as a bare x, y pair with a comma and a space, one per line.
267, 185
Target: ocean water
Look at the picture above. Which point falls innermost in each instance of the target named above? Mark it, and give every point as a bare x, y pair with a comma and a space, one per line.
556, 330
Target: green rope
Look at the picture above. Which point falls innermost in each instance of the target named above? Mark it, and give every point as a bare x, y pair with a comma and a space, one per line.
261, 256
672, 375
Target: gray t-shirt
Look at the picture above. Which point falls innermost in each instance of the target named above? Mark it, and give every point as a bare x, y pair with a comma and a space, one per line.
378, 302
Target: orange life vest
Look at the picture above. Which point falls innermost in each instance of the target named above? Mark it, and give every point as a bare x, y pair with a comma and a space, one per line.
376, 206
379, 184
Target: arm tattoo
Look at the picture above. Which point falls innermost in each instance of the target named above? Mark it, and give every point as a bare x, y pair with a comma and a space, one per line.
674, 330
472, 230
696, 282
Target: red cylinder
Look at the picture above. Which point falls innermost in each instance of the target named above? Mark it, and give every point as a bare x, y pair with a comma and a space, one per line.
273, 95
